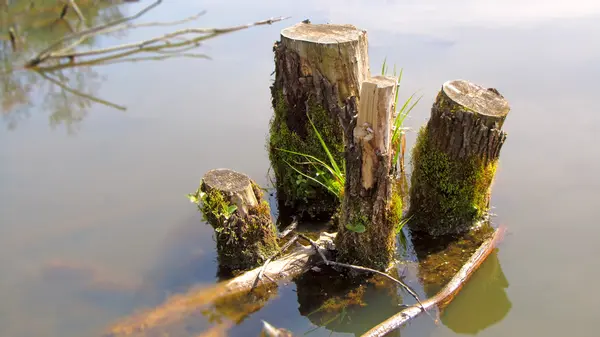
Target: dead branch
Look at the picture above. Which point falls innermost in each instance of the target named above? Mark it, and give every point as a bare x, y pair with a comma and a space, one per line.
444, 296
149, 45
57, 50
289, 228
82, 94
73, 5
283, 249
364, 269
181, 306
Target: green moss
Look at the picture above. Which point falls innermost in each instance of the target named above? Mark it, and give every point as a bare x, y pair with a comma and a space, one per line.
441, 258
446, 193
242, 243
298, 193
396, 209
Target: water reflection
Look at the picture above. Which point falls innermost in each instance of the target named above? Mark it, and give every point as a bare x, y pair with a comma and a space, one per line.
483, 301
344, 304
26, 27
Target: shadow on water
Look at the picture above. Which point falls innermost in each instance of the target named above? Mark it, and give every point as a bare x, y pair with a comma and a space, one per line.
345, 304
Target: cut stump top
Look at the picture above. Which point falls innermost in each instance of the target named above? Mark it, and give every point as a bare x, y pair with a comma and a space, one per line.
487, 102
226, 180
323, 33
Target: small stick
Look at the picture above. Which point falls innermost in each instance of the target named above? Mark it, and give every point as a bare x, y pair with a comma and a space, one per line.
288, 229
264, 267
13, 38
73, 5
333, 263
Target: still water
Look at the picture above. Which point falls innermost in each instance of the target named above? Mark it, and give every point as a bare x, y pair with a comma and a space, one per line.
94, 219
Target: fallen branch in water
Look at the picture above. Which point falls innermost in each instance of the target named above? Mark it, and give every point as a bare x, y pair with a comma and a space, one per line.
289, 228
171, 42
73, 5
179, 307
264, 267
444, 296
364, 269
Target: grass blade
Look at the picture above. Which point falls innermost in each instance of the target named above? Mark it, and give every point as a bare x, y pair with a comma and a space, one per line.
331, 159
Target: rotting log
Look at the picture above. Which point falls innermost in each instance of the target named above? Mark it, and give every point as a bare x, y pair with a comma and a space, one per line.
371, 207
317, 67
180, 307
446, 294
233, 205
455, 159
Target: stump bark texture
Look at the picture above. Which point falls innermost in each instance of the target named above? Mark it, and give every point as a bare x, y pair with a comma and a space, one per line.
366, 233
233, 205
317, 67
455, 158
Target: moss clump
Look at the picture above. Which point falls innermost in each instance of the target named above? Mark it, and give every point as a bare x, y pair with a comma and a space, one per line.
243, 243
396, 206
447, 196
294, 133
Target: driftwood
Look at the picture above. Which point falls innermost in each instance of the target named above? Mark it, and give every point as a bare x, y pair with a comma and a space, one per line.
179, 307
444, 296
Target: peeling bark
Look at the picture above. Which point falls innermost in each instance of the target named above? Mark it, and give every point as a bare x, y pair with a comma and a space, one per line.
368, 190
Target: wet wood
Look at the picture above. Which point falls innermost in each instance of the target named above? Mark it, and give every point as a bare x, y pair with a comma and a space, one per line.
179, 307
444, 296
455, 158
317, 67
236, 186
234, 206
367, 228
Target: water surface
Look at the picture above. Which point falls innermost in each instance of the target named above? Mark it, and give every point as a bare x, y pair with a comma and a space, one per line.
94, 220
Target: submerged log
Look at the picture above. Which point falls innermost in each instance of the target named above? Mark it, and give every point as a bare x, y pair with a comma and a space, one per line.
444, 296
366, 233
317, 67
455, 158
181, 307
232, 204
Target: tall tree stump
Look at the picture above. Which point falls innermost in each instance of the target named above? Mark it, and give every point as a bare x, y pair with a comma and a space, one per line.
233, 205
455, 159
317, 67
372, 206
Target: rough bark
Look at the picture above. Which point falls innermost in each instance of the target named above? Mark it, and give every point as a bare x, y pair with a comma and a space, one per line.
455, 158
367, 227
245, 237
317, 67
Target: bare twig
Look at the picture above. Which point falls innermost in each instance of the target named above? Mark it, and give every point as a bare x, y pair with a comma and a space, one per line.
151, 45
365, 269
89, 32
283, 249
289, 228
82, 94
73, 5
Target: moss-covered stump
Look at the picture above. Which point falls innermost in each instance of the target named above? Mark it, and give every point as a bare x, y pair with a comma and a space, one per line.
455, 158
316, 68
372, 207
233, 205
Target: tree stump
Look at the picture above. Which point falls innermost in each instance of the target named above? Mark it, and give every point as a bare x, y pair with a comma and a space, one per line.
317, 67
455, 159
233, 205
372, 206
